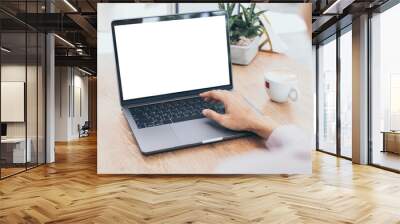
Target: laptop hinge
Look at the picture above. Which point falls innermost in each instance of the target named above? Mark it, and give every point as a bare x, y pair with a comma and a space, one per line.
160, 101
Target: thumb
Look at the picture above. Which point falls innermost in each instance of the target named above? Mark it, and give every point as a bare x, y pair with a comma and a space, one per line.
213, 115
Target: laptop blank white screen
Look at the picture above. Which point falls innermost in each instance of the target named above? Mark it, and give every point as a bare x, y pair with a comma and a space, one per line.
157, 58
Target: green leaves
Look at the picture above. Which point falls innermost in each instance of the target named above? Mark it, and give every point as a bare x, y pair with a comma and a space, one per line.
245, 23
228, 7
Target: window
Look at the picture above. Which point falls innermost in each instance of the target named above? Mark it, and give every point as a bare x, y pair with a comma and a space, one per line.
334, 138
394, 101
385, 89
22, 77
346, 94
327, 96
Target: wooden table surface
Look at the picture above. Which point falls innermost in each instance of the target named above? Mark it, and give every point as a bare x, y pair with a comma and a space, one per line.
118, 152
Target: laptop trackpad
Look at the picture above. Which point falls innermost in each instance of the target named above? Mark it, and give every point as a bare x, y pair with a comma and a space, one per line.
156, 138
199, 130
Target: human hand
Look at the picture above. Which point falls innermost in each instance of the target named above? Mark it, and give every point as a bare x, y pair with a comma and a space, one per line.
239, 114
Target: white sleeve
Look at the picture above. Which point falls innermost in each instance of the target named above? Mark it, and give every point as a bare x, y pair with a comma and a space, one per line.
288, 151
289, 137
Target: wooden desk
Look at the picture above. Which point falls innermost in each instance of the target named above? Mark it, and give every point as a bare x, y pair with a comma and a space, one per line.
391, 141
118, 153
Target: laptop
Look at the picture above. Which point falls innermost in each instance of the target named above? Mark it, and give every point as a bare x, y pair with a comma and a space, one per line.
163, 63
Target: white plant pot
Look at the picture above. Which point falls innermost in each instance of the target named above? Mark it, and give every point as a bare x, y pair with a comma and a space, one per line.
243, 55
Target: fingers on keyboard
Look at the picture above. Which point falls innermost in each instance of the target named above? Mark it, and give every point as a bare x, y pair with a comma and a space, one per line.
172, 112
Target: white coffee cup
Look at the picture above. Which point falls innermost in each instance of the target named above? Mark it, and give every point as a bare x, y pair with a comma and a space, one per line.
281, 86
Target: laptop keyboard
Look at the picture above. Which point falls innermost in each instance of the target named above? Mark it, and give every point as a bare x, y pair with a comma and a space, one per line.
172, 112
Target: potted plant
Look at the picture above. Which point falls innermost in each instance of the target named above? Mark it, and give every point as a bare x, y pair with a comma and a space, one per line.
245, 29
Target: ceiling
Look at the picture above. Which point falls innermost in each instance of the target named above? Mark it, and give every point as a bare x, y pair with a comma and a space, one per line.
332, 15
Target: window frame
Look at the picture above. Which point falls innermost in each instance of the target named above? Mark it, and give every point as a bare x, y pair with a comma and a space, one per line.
334, 37
27, 29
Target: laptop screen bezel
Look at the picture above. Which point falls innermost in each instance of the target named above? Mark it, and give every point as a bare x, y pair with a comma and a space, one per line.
157, 98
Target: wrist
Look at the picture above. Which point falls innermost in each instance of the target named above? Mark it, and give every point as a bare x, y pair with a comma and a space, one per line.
263, 126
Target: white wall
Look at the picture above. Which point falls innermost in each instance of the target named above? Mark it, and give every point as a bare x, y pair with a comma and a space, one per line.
62, 81
14, 72
79, 117
12, 101
70, 83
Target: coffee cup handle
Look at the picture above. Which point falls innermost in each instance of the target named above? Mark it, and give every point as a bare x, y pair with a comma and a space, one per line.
293, 94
